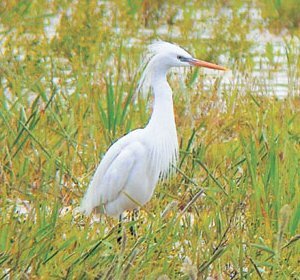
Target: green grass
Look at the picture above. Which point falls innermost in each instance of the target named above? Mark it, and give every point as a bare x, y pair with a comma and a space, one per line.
65, 100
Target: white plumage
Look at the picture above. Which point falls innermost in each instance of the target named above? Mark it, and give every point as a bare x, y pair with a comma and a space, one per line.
129, 171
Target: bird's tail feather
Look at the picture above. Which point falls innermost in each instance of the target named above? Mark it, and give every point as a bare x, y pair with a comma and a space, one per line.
89, 201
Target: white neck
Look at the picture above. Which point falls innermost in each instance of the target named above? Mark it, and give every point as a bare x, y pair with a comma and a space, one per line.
162, 127
163, 113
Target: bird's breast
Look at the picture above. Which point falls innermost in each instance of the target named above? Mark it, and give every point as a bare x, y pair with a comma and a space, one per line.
163, 153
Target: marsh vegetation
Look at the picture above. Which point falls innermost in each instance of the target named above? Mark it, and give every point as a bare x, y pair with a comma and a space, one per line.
68, 77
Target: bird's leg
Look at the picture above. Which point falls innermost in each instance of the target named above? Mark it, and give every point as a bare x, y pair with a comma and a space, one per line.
134, 216
119, 239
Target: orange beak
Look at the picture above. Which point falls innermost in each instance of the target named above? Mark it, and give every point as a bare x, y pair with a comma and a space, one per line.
201, 63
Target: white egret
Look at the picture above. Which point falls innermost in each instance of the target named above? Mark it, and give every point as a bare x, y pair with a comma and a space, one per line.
129, 171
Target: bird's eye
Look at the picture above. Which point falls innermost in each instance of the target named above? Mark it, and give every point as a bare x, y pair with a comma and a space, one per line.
179, 57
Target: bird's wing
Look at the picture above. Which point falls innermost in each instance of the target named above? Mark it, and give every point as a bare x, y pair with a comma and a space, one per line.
115, 177
114, 150
112, 172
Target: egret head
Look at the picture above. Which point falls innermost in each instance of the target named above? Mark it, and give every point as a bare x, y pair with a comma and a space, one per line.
162, 56
172, 55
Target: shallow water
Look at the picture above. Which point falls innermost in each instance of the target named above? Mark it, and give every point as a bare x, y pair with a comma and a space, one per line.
271, 73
